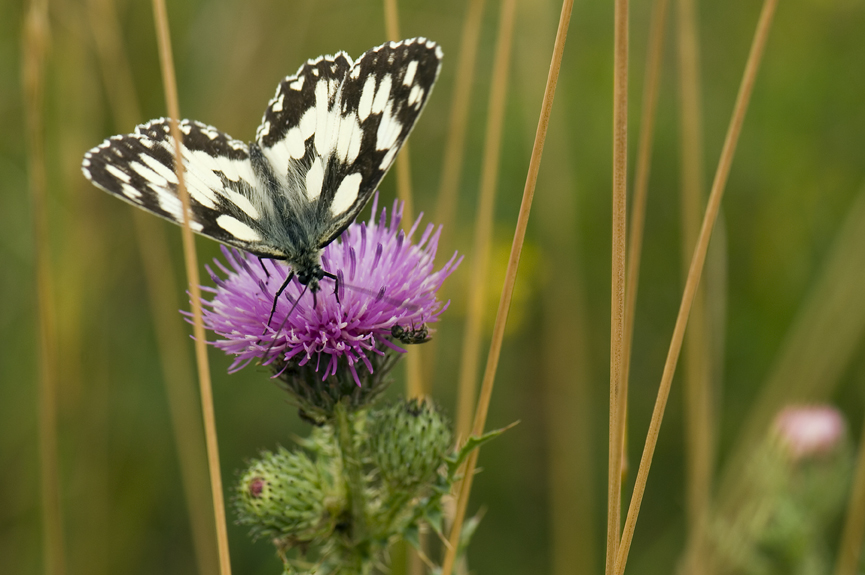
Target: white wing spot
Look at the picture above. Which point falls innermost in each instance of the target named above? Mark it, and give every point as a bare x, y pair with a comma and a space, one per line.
322, 120
388, 130
354, 145
355, 73
120, 175
416, 95
346, 194
314, 180
347, 127
297, 84
307, 124
277, 106
382, 95
410, 71
129, 191
160, 168
366, 96
243, 203
237, 228
388, 159
295, 143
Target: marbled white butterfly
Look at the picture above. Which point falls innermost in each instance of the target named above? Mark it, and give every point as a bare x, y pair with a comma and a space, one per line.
327, 138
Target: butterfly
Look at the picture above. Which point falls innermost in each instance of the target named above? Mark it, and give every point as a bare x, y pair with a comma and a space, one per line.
326, 140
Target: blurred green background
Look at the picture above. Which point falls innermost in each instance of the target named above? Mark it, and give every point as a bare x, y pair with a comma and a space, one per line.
798, 171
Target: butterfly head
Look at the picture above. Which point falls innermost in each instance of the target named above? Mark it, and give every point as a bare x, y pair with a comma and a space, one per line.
310, 276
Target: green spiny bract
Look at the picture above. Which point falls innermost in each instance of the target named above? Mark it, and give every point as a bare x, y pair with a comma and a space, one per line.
408, 441
287, 496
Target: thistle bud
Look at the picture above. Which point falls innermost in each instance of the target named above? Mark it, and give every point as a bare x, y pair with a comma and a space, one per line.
408, 441
282, 496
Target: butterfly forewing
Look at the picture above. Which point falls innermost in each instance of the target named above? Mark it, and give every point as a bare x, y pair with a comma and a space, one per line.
334, 128
380, 101
225, 196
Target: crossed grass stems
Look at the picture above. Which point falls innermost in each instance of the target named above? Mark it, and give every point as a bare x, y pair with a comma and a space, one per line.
623, 294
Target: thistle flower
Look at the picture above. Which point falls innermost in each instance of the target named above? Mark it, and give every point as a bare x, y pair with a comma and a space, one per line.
385, 280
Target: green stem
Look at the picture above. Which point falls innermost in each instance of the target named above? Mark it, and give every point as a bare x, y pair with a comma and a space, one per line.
353, 472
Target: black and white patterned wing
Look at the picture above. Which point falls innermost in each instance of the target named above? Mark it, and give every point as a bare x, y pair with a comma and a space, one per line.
227, 201
340, 142
298, 116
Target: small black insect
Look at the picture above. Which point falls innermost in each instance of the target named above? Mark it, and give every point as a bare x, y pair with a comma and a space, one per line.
411, 335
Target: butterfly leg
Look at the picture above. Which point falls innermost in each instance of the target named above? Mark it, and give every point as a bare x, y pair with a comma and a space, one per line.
263, 267
336, 282
267, 357
276, 298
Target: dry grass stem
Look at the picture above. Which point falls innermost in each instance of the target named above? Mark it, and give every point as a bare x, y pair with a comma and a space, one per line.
456, 140
853, 534
510, 280
169, 81
617, 295
641, 185
483, 230
161, 286
415, 385
35, 43
698, 411
403, 161
714, 204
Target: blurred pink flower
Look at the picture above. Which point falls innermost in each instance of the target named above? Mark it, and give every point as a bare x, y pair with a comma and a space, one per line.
809, 430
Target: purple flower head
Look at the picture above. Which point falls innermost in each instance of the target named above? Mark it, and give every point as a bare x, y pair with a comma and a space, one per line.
385, 280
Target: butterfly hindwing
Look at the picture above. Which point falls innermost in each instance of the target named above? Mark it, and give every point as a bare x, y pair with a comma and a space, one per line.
227, 201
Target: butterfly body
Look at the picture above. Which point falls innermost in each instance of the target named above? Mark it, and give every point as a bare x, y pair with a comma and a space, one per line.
326, 140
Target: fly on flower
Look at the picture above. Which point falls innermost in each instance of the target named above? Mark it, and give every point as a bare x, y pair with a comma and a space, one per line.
411, 335
326, 140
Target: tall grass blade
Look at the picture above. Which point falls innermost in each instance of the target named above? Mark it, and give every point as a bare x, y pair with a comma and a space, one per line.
648, 115
35, 43
617, 284
699, 427
454, 151
853, 535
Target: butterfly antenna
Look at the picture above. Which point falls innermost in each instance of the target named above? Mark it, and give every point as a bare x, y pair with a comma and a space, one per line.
276, 298
378, 295
282, 325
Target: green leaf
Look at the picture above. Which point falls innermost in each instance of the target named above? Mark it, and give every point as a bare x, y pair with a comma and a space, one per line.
412, 535
469, 528
472, 443
433, 516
